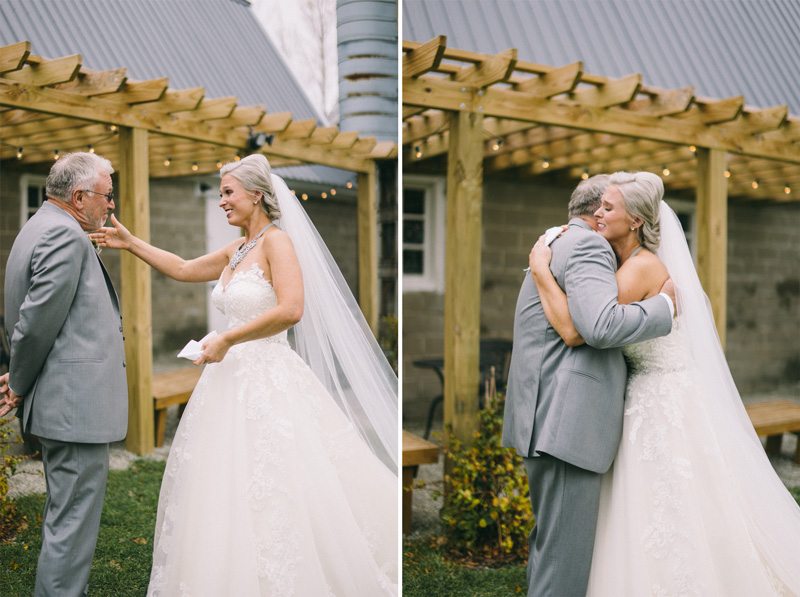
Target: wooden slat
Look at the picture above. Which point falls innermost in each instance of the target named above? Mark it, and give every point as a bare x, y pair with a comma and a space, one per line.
180, 100
136, 296
491, 70
364, 145
91, 83
344, 140
664, 102
210, 109
324, 135
612, 93
557, 81
367, 214
299, 129
424, 58
463, 274
13, 56
47, 72
246, 116
139, 92
712, 232
274, 122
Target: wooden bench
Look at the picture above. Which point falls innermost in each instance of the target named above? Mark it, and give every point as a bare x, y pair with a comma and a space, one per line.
416, 451
171, 387
773, 418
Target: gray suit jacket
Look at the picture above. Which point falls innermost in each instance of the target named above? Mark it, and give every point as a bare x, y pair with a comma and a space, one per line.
568, 402
63, 322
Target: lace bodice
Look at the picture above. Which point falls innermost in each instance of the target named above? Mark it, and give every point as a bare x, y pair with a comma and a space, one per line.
246, 296
662, 354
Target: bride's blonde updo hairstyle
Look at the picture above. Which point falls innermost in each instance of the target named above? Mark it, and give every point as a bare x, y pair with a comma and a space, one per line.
641, 194
254, 173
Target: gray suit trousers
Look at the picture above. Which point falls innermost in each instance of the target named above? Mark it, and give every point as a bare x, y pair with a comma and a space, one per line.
565, 501
76, 483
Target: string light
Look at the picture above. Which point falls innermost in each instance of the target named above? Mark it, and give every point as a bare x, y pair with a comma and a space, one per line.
19, 153
91, 149
219, 164
324, 195
692, 148
545, 163
56, 155
754, 184
195, 167
585, 174
497, 144
112, 128
238, 157
333, 192
727, 173
304, 196
787, 189
665, 171
167, 162
293, 192
417, 151
348, 184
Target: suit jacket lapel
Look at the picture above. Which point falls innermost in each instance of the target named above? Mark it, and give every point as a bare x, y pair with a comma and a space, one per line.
111, 290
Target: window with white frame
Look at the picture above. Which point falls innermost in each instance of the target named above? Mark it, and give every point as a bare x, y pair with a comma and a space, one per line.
685, 210
423, 234
31, 196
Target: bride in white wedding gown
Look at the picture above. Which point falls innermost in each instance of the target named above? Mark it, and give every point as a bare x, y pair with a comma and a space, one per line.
691, 505
281, 479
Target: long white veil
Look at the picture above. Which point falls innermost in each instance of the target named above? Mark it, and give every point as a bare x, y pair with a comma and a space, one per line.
723, 431
334, 339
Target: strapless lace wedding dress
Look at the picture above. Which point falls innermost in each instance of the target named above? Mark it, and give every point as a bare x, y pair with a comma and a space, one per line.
269, 489
670, 523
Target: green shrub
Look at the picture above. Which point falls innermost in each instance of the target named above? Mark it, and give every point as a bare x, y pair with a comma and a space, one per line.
8, 463
486, 513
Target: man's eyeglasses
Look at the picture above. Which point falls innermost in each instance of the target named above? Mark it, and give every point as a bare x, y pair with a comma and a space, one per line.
109, 196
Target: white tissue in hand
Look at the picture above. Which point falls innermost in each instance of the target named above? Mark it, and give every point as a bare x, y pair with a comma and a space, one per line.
194, 348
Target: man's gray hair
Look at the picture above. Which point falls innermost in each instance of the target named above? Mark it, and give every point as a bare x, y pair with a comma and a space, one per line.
72, 171
585, 199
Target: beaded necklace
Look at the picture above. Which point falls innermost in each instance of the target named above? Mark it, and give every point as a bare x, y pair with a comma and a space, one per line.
240, 253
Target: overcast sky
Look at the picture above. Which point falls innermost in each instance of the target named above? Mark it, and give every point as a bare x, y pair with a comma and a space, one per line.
294, 27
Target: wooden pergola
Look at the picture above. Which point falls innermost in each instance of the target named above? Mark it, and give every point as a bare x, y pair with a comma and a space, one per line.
147, 130
494, 113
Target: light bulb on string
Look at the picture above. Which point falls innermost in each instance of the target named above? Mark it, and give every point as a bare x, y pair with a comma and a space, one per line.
348, 184
112, 128
665, 171
585, 174
545, 163
19, 153
324, 195
787, 189
417, 151
692, 148
167, 162
333, 192
727, 173
754, 184
91, 149
304, 196
56, 155
219, 164
237, 158
195, 167
497, 144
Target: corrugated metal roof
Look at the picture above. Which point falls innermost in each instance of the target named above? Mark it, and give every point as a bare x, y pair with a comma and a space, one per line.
721, 47
216, 44
323, 175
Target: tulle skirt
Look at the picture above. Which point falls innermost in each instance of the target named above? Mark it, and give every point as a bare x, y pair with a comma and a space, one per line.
269, 490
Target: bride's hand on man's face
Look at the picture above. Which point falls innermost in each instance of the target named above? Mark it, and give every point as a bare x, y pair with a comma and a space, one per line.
115, 236
214, 350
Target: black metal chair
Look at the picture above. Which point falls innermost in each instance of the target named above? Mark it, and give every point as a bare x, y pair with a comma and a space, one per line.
494, 352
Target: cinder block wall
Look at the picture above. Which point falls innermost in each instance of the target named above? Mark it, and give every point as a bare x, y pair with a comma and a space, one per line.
763, 347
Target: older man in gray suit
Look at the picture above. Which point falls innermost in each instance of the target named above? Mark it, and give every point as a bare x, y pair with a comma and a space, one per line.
67, 362
564, 405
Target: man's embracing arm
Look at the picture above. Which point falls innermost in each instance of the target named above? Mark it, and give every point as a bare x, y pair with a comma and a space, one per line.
591, 286
55, 271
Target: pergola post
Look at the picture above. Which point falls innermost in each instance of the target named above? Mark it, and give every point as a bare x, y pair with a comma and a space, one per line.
368, 246
712, 231
136, 298
462, 295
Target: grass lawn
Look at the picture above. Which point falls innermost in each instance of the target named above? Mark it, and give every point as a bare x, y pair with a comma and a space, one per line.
124, 551
426, 572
